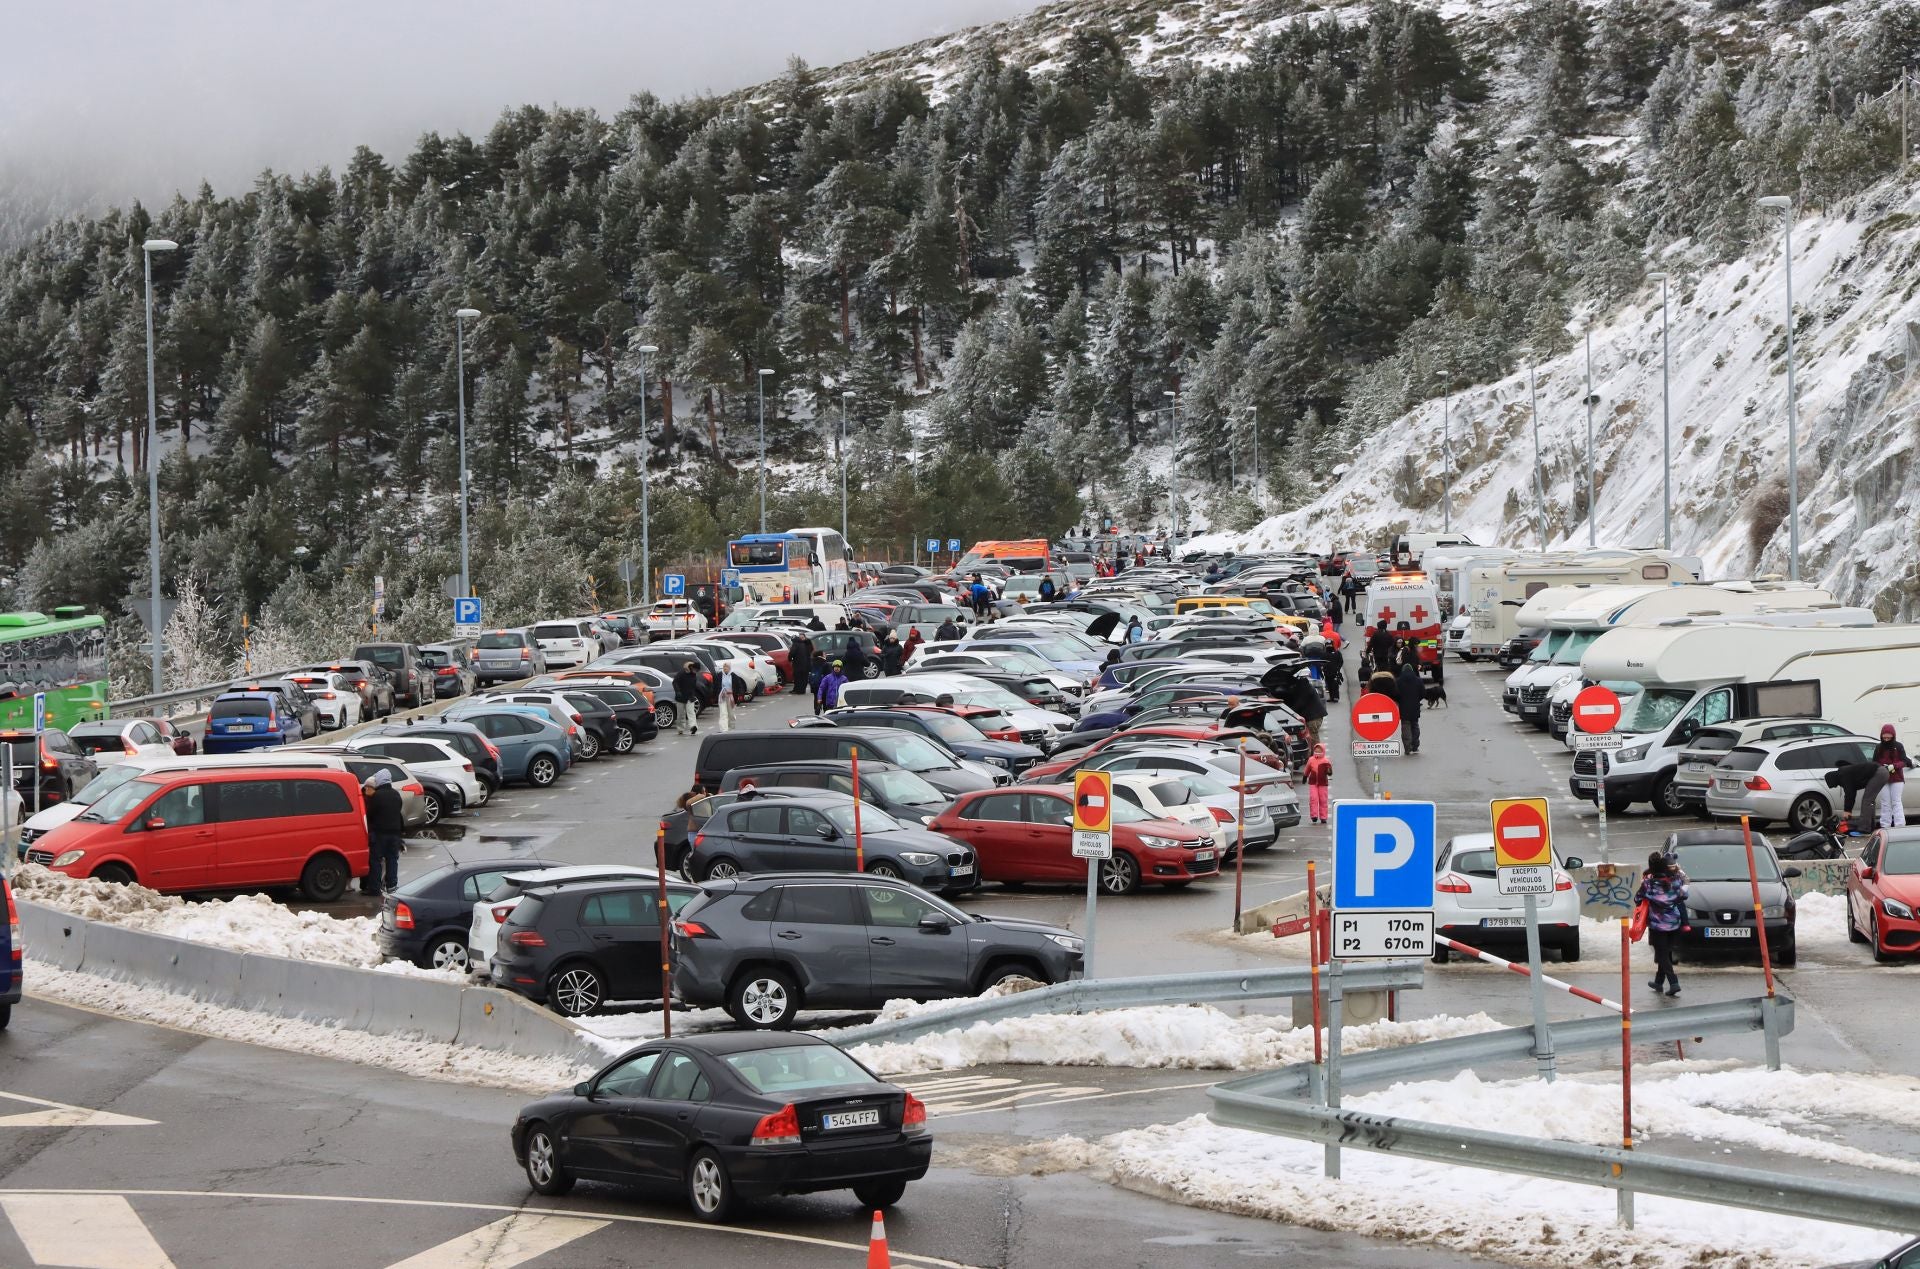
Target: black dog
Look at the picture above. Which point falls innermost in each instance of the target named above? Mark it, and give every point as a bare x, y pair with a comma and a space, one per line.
1436, 695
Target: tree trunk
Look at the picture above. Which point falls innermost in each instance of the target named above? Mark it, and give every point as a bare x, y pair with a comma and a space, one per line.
713, 427
919, 357
182, 413
666, 411
846, 312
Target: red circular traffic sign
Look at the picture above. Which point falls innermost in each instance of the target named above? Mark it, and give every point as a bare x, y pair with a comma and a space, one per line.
1092, 804
1376, 716
1596, 709
1521, 833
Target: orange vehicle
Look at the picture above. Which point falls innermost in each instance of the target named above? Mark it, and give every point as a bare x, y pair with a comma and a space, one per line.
1029, 555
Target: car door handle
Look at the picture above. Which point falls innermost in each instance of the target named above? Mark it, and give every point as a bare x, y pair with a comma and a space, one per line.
881, 942
788, 934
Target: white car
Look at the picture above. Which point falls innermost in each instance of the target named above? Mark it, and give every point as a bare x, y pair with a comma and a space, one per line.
923, 688
1458, 638
1164, 798
670, 617
1468, 905
428, 756
950, 656
566, 644
337, 699
492, 911
759, 669
112, 741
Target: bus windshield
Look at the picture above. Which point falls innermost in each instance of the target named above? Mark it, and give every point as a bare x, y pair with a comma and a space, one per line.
757, 554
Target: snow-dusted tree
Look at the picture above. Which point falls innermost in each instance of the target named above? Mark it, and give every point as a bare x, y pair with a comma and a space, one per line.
197, 643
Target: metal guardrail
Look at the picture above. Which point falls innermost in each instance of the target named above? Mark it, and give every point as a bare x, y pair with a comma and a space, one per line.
1084, 995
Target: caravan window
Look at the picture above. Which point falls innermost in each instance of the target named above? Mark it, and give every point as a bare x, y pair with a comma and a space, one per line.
1534, 588
1655, 572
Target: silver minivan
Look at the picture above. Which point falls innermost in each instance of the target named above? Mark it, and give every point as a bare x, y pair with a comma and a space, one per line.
501, 656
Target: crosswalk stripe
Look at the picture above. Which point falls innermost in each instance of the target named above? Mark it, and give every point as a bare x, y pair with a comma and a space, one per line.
61, 1115
512, 1240
83, 1231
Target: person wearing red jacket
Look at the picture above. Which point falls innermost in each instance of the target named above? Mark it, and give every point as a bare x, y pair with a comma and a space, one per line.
1319, 784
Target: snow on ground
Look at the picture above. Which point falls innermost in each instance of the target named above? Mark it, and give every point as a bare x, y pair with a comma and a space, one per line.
1532, 1222
1169, 1036
456, 1063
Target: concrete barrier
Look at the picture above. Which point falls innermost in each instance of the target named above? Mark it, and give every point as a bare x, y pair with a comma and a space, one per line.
416, 1006
332, 994
53, 937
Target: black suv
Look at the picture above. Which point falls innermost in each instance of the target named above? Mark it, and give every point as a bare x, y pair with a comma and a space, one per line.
412, 680
768, 946
813, 831
573, 948
895, 790
59, 767
632, 715
955, 733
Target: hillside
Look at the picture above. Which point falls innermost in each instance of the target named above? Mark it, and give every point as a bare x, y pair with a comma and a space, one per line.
1003, 255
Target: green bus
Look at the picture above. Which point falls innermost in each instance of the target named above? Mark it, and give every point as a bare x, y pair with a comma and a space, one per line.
63, 655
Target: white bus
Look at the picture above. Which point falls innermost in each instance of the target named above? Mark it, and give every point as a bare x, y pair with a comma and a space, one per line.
832, 563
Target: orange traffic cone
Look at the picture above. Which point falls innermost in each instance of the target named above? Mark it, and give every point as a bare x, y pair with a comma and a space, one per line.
877, 1257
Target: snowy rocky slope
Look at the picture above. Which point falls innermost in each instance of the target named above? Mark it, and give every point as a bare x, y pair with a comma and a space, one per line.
1856, 285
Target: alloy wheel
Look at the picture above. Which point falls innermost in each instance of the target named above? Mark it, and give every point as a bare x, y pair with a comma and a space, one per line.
540, 1158
708, 1185
577, 992
764, 1001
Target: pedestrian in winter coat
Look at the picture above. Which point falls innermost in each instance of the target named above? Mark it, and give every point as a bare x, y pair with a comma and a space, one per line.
386, 830
1336, 670
913, 641
1350, 593
1411, 693
947, 631
1319, 784
891, 655
1303, 699
800, 664
686, 686
1859, 784
1385, 682
856, 659
1047, 591
1383, 648
982, 595
816, 623
1892, 755
1333, 613
828, 696
1135, 631
1663, 888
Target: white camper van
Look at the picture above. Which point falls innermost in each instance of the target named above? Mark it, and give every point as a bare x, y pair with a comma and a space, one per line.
1497, 591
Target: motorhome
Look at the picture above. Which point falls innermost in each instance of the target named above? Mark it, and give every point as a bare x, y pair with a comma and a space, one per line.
1544, 664
1451, 568
1694, 674
1498, 590
1409, 549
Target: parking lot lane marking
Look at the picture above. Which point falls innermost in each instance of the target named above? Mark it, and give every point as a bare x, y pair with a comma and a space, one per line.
502, 1244
61, 1115
83, 1231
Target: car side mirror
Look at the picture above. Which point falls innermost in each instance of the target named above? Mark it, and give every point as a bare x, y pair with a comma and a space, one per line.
1571, 861
827, 831
1868, 874
582, 1089
1791, 873
154, 822
935, 923
1067, 820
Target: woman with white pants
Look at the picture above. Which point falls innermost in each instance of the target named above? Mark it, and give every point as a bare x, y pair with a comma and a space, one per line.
1892, 756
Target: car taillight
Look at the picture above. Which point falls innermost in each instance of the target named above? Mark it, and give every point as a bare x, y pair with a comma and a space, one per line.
1453, 883
693, 930
915, 1113
501, 913
781, 1128
526, 938
466, 766
493, 750
1221, 814
1562, 882
413, 786
524, 656
444, 672
1758, 784
572, 730
700, 837
13, 922
402, 917
129, 746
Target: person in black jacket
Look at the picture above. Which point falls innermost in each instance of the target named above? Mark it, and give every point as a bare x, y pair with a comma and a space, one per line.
1412, 695
1383, 648
891, 655
947, 631
686, 686
856, 658
386, 829
800, 664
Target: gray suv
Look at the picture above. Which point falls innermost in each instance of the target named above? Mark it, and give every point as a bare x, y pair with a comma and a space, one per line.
812, 831
768, 946
502, 656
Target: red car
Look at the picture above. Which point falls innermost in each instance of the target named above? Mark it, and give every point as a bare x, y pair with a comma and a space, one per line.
986, 720
1883, 894
1025, 833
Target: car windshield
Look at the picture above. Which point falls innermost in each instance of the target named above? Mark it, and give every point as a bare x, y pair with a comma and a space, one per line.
104, 783
916, 754
1653, 709
385, 658
895, 786
120, 801
1019, 662
98, 741
872, 818
433, 656
992, 697
1171, 793
499, 641
950, 729
1577, 642
556, 632
798, 1067
242, 708
1125, 812
1724, 861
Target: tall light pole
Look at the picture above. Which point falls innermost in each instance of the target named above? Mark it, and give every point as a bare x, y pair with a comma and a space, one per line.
1173, 543
646, 459
460, 317
147, 249
844, 398
1254, 410
1793, 404
1446, 454
1666, 423
760, 390
1539, 486
1587, 331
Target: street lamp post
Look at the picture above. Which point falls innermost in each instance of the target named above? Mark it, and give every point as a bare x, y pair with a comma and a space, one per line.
460, 317
1446, 454
760, 390
1793, 405
646, 456
1666, 423
1587, 331
1255, 410
844, 398
147, 249
1173, 543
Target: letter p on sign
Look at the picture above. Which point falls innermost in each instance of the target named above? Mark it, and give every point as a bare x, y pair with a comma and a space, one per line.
1383, 855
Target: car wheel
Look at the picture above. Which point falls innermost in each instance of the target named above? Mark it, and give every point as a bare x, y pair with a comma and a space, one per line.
488, 786
1853, 931
542, 772
6, 1016
1442, 954
880, 1193
113, 874
665, 714
1666, 798
870, 670
1617, 805
1010, 971
721, 869
1787, 955
324, 879
623, 740
545, 1172
1120, 875
764, 999
446, 952
709, 1189
575, 991
884, 869
1880, 954
1808, 813
1570, 950
435, 807
486, 793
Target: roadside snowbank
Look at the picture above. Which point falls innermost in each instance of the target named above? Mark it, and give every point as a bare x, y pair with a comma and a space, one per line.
1179, 1037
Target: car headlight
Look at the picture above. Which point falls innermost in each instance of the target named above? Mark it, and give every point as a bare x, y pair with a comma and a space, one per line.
66, 857
1633, 754
1158, 843
1895, 908
918, 858
1068, 941
1001, 762
1772, 911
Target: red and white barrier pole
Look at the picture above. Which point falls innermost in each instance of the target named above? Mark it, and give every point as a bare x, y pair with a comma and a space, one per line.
1759, 913
1523, 971
1313, 956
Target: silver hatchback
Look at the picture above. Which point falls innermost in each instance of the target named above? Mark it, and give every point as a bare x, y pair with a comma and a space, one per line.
501, 656
1787, 780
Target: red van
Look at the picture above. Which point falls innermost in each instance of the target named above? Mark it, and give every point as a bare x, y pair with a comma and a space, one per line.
220, 829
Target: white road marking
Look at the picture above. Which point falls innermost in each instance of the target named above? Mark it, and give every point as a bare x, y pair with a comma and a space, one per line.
83, 1231
61, 1115
502, 1244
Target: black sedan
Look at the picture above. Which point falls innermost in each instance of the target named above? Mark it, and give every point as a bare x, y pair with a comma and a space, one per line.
1720, 894
727, 1118
426, 920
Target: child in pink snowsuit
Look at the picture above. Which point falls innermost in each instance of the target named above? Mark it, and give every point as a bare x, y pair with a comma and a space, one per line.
1319, 780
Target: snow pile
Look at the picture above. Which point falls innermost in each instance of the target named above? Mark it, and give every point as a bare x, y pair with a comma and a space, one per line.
1538, 1222
455, 1063
247, 923
1170, 1036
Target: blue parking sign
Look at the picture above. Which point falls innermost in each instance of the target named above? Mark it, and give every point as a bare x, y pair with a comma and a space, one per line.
730, 577
673, 584
39, 711
953, 544
466, 611
933, 546
1383, 855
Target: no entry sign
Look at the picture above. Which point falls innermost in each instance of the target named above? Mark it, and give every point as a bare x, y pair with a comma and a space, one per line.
1093, 815
1376, 716
1596, 709
1520, 833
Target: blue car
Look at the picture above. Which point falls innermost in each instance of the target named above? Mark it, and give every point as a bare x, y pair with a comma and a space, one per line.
532, 747
240, 721
10, 956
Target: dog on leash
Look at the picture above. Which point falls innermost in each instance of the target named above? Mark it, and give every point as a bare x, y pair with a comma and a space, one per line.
1435, 695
